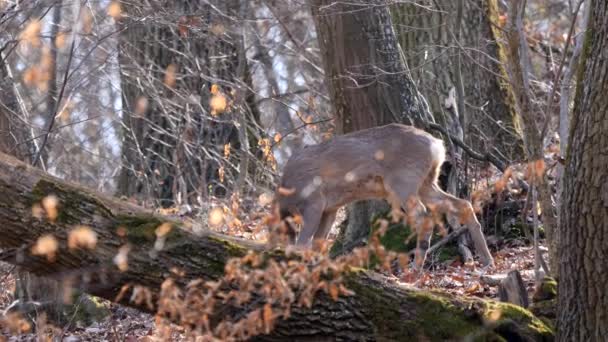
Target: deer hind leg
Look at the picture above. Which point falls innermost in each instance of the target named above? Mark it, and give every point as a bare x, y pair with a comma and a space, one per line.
327, 219
461, 211
403, 191
311, 219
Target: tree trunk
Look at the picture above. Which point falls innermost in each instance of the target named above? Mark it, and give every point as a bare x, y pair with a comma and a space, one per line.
173, 147
428, 36
532, 118
583, 272
368, 80
379, 310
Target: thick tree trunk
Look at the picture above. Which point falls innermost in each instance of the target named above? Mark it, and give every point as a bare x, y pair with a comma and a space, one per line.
173, 146
380, 309
368, 80
583, 273
427, 34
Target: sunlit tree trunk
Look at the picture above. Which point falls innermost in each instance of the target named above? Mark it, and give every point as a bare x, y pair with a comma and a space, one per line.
583, 242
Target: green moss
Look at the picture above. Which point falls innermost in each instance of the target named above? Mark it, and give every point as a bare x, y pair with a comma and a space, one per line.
547, 290
447, 252
396, 237
438, 317
72, 202
140, 229
492, 13
549, 286
232, 249
528, 324
86, 309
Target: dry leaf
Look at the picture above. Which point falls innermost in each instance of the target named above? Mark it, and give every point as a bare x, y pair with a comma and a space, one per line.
218, 104
121, 258
31, 34
221, 172
227, 150
217, 29
46, 245
82, 237
50, 203
215, 89
141, 105
265, 199
114, 10
37, 211
170, 75
163, 229
286, 191
87, 21
268, 318
334, 291
216, 216
61, 40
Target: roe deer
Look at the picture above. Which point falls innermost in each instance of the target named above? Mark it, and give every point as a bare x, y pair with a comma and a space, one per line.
393, 162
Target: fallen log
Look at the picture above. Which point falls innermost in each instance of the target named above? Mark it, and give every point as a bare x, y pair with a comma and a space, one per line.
380, 309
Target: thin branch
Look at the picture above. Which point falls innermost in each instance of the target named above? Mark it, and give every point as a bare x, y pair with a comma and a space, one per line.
488, 157
558, 75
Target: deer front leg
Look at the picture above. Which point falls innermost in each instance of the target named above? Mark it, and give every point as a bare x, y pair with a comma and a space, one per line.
311, 219
327, 219
474, 227
460, 211
403, 193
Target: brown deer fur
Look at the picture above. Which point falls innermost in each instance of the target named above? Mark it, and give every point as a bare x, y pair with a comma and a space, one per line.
393, 162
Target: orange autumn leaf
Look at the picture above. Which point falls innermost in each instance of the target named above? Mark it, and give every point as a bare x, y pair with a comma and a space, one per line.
82, 237
218, 104
114, 10
170, 76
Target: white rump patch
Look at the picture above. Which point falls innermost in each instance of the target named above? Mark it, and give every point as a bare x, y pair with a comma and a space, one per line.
438, 151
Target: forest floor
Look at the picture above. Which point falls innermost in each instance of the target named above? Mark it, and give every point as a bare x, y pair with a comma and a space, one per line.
126, 324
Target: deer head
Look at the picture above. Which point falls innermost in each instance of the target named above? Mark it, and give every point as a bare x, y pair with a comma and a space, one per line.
395, 162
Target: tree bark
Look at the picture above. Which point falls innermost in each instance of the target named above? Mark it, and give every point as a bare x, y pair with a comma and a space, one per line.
426, 32
368, 80
583, 272
173, 149
380, 309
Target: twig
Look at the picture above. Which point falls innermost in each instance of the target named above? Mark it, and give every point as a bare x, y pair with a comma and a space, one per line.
535, 222
558, 75
298, 128
458, 74
54, 110
488, 157
451, 236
